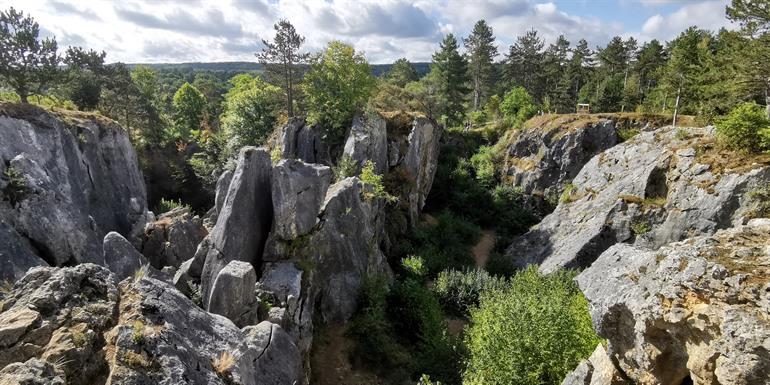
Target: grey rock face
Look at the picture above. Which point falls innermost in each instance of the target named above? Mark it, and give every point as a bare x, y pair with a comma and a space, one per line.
57, 315
172, 238
223, 184
121, 257
279, 361
421, 162
298, 190
368, 140
650, 190
693, 309
304, 142
542, 160
16, 254
247, 210
80, 180
233, 293
32, 372
598, 369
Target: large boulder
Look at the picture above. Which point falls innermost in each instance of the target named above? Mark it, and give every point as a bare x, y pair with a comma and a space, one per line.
279, 361
17, 254
173, 238
298, 190
121, 257
691, 312
244, 221
368, 141
233, 294
658, 187
69, 179
598, 369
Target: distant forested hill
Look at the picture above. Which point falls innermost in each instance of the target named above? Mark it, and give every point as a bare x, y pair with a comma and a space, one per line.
236, 67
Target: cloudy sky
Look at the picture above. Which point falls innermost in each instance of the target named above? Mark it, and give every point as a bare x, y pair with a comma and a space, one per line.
227, 30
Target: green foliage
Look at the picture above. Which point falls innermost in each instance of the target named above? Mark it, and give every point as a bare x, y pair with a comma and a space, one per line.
27, 65
414, 266
640, 227
518, 106
401, 73
481, 54
374, 182
346, 167
275, 155
166, 205
338, 84
450, 74
459, 290
682, 134
371, 330
483, 163
251, 111
85, 76
417, 318
281, 58
627, 133
534, 331
138, 334
569, 194
513, 215
16, 185
446, 244
746, 128
189, 110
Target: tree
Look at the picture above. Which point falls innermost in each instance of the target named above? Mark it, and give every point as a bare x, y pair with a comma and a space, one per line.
27, 65
338, 84
517, 106
531, 333
85, 75
452, 73
754, 17
189, 110
148, 117
251, 111
282, 56
555, 72
481, 52
524, 63
652, 56
401, 73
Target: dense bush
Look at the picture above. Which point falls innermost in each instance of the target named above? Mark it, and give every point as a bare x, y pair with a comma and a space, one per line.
417, 318
518, 106
483, 162
251, 111
459, 290
446, 244
745, 128
532, 332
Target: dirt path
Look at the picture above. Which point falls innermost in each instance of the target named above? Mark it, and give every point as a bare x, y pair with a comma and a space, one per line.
330, 363
483, 247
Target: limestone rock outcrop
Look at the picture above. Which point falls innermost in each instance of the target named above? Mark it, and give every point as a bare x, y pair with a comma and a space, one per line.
75, 325
173, 238
245, 219
420, 162
368, 141
68, 179
660, 186
233, 293
304, 142
691, 312
298, 190
121, 257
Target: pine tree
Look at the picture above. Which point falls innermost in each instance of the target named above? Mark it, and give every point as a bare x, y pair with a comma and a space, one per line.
27, 65
481, 53
754, 17
282, 57
452, 70
556, 76
401, 73
524, 63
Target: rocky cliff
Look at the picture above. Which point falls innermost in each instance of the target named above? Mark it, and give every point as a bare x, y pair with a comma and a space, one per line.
691, 312
67, 180
660, 186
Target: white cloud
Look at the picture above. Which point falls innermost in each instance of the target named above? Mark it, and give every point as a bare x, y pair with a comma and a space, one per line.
210, 30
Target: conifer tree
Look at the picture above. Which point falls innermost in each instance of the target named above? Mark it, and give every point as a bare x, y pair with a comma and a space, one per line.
282, 57
481, 53
452, 72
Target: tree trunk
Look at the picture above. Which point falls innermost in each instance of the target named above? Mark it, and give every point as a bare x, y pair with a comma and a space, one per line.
23, 97
767, 98
289, 96
676, 106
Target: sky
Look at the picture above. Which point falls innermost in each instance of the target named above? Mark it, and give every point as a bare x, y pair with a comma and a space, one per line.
154, 31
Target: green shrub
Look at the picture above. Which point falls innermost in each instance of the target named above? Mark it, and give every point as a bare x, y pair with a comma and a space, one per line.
375, 345
760, 199
478, 117
16, 185
746, 127
500, 265
640, 227
534, 331
513, 216
483, 163
459, 291
374, 181
414, 266
346, 167
518, 106
625, 134
166, 205
417, 318
447, 244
